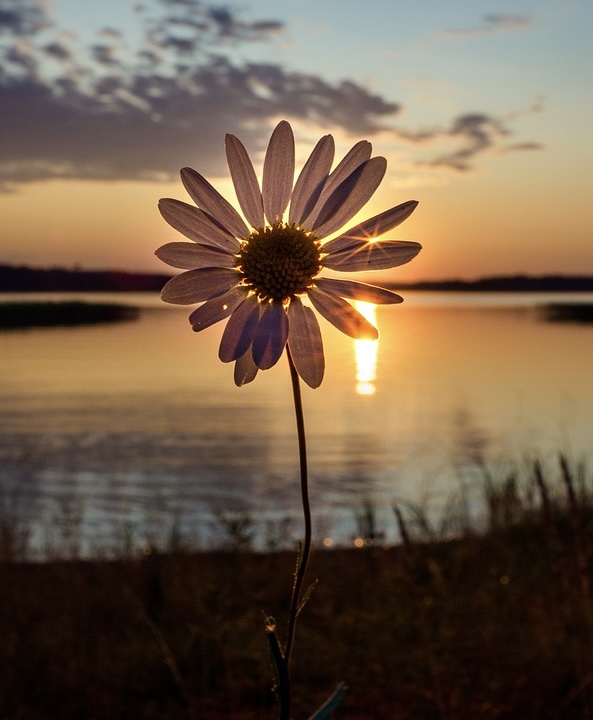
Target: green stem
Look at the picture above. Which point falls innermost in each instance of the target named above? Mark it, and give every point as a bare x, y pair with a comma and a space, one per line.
305, 551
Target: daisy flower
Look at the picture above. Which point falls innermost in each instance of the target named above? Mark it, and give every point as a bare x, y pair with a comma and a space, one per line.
257, 271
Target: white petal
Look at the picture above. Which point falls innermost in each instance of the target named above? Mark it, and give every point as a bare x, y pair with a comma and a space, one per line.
270, 337
373, 227
378, 255
350, 196
188, 256
311, 180
245, 181
305, 343
210, 200
216, 309
195, 286
342, 315
278, 173
357, 155
239, 331
245, 369
358, 291
196, 225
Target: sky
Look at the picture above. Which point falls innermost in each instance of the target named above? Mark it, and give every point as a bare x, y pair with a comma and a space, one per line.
483, 109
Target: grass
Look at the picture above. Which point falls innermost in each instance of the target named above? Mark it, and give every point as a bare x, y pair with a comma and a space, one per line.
495, 624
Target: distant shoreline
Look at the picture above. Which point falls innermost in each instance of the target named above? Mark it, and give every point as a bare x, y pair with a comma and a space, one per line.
24, 279
506, 283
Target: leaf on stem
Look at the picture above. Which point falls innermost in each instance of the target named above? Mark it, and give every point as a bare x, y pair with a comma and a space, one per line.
306, 595
331, 704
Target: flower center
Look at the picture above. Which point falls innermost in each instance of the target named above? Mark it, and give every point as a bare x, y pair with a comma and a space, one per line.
279, 261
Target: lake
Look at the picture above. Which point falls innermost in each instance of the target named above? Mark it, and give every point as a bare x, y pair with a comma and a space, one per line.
112, 437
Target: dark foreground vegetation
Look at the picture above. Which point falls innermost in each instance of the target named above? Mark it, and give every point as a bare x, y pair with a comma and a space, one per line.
569, 312
49, 314
491, 625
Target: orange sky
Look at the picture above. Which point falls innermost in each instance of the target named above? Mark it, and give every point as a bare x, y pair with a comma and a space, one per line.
482, 118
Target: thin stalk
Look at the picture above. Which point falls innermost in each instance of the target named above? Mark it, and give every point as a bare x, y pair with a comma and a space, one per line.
305, 549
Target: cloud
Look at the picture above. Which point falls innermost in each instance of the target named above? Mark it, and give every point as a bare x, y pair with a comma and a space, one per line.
146, 128
23, 17
115, 110
514, 147
57, 50
492, 24
476, 133
229, 26
111, 114
189, 26
471, 134
105, 54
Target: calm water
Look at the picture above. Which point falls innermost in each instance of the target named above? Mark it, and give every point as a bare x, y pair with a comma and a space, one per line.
116, 433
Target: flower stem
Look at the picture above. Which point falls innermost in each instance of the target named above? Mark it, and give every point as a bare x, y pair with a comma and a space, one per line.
305, 549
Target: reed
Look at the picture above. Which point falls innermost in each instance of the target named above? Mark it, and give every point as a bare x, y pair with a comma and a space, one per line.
494, 622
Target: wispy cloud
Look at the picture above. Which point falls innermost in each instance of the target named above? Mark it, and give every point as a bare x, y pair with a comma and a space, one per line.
514, 147
469, 135
492, 24
117, 110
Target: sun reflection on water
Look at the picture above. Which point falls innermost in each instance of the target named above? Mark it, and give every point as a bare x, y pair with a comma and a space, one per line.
366, 353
